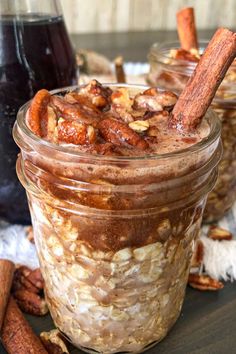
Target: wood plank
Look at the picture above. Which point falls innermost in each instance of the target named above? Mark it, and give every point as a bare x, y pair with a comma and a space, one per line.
133, 15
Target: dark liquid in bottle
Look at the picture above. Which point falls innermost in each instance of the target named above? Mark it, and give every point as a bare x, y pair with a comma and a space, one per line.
35, 53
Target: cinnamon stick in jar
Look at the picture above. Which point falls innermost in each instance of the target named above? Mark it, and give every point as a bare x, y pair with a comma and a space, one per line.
17, 335
6, 276
186, 29
203, 84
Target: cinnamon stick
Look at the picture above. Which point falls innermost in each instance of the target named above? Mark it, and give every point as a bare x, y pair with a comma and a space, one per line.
187, 29
6, 276
202, 85
120, 74
17, 335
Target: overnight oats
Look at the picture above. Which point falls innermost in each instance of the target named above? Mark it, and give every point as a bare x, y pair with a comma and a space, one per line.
170, 68
117, 178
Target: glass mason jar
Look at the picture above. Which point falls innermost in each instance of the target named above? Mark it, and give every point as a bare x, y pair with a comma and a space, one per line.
115, 235
35, 53
173, 74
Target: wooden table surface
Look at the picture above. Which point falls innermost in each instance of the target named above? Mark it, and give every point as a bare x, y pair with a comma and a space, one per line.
207, 324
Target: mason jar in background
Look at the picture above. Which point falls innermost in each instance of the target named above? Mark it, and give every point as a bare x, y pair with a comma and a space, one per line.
115, 235
173, 74
35, 53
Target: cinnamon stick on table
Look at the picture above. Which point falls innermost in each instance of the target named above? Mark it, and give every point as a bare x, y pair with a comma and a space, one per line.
6, 276
17, 335
187, 29
203, 84
119, 67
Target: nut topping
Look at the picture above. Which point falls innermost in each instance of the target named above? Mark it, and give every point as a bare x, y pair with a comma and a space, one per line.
146, 102
99, 95
73, 132
182, 54
155, 100
27, 289
120, 134
82, 111
53, 342
204, 282
139, 126
219, 234
38, 113
27, 279
198, 254
121, 97
30, 234
30, 302
122, 121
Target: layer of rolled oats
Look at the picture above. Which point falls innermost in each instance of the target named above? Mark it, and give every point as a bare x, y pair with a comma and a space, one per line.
113, 301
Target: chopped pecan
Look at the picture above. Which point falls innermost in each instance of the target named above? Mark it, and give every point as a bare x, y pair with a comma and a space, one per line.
154, 100
219, 234
146, 102
198, 254
29, 234
99, 95
120, 134
73, 132
121, 112
49, 125
165, 98
81, 110
38, 113
204, 282
121, 97
102, 149
121, 105
27, 279
53, 342
30, 302
153, 131
182, 54
156, 117
35, 277
139, 126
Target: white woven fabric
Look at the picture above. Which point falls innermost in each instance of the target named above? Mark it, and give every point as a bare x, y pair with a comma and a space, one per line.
15, 246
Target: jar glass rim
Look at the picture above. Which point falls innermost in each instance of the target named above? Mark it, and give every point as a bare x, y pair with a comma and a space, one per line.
67, 150
159, 53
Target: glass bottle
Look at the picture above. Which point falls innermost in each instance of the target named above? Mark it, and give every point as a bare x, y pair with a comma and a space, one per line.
35, 53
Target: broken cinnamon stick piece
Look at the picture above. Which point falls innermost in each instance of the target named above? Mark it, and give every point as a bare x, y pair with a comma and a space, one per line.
203, 84
6, 276
17, 335
187, 29
120, 74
